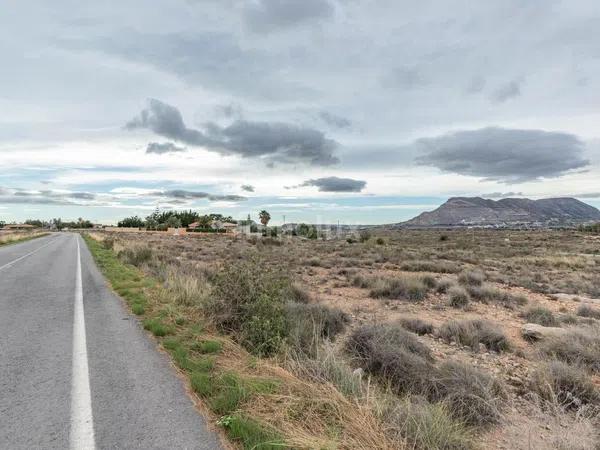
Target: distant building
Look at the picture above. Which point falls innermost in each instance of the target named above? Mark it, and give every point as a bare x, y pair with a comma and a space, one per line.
18, 226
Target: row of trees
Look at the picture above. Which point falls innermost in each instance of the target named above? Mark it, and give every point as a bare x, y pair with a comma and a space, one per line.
594, 228
160, 220
56, 224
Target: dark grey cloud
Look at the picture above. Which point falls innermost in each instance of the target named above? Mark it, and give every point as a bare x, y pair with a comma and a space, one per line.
335, 184
502, 194
280, 142
45, 197
506, 155
334, 120
162, 148
247, 187
267, 15
507, 91
181, 194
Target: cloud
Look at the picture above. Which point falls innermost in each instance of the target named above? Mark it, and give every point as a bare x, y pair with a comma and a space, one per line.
166, 120
587, 195
502, 195
506, 155
335, 184
263, 16
181, 194
404, 77
476, 85
507, 91
247, 188
160, 149
46, 197
280, 142
334, 120
230, 111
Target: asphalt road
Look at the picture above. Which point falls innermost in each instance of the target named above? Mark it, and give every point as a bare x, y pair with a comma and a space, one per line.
76, 369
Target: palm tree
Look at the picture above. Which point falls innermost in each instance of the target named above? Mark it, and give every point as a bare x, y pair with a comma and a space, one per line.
264, 217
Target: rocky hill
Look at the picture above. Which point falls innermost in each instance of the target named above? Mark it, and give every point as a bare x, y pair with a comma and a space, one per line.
461, 211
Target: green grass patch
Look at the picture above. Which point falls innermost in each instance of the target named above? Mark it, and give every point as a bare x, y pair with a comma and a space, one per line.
250, 433
156, 327
202, 383
138, 309
126, 280
207, 346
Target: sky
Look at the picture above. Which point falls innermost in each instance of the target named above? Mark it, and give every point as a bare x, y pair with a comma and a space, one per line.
358, 111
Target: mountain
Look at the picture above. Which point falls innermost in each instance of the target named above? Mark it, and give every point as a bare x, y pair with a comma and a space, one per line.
460, 211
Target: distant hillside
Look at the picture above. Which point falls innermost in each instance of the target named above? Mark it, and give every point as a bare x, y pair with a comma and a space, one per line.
460, 211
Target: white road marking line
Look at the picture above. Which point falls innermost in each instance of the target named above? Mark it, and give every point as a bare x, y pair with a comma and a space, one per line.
7, 265
82, 422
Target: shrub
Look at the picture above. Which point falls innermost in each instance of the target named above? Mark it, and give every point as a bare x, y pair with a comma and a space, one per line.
472, 396
540, 315
393, 354
428, 266
580, 346
311, 323
587, 311
403, 287
458, 297
444, 285
109, 243
136, 256
471, 333
249, 302
326, 367
380, 241
265, 327
417, 326
486, 294
361, 282
429, 281
567, 385
424, 426
364, 235
298, 294
472, 278
187, 290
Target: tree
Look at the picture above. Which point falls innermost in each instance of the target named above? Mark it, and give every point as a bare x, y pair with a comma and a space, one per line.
151, 223
131, 222
2, 223
173, 222
58, 224
264, 217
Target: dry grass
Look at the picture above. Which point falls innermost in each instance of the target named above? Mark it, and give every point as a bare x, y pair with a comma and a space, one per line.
340, 276
473, 333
